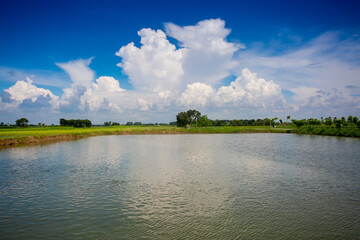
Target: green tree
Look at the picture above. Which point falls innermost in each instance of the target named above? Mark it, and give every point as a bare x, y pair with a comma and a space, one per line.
203, 121
22, 122
194, 116
182, 119
328, 121
338, 123
299, 123
355, 120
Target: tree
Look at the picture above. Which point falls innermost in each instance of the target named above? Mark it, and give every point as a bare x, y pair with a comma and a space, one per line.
338, 123
75, 122
194, 116
355, 120
203, 121
182, 119
107, 123
298, 123
328, 121
22, 122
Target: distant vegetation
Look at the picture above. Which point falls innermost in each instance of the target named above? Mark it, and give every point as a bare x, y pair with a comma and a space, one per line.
192, 121
75, 122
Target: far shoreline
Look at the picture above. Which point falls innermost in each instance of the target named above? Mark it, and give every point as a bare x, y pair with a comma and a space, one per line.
33, 136
38, 139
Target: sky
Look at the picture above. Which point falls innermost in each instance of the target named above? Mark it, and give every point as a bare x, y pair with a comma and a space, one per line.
148, 60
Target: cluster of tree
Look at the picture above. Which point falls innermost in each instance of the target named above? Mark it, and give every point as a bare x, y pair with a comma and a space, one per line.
133, 123
194, 118
22, 122
75, 122
109, 123
329, 122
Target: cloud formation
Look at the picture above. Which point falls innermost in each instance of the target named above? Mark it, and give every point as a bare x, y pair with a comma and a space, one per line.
24, 92
166, 77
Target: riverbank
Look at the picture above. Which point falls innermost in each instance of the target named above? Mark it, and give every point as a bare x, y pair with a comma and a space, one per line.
10, 137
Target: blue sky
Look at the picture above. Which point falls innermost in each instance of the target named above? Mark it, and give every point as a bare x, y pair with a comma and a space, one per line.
228, 59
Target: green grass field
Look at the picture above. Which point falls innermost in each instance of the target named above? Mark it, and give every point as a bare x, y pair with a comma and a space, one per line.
35, 135
8, 133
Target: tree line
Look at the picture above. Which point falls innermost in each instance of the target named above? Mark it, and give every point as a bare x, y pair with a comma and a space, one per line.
193, 118
328, 122
75, 122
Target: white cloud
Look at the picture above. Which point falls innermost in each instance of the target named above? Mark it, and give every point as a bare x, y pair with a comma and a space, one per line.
322, 74
312, 98
197, 95
81, 76
102, 95
207, 55
303, 94
250, 90
26, 92
325, 62
246, 90
155, 66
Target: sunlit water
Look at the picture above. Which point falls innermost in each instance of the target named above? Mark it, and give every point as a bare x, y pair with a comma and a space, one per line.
223, 186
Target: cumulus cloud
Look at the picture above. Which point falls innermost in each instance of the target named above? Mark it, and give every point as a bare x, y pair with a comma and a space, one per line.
156, 65
207, 55
167, 77
102, 95
246, 90
341, 99
251, 90
82, 76
197, 95
326, 62
24, 92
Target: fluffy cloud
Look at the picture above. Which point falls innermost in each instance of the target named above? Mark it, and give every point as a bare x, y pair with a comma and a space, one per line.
326, 62
157, 65
167, 77
102, 95
340, 99
197, 95
251, 90
82, 78
24, 92
246, 90
207, 55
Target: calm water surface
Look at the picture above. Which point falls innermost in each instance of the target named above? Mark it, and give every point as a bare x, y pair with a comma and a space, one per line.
232, 186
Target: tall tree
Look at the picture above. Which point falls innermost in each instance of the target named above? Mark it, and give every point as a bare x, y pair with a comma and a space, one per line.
22, 122
182, 119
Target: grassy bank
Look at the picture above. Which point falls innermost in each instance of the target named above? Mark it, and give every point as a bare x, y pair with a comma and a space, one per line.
39, 135
329, 131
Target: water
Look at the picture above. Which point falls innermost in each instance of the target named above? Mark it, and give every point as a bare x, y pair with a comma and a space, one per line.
223, 186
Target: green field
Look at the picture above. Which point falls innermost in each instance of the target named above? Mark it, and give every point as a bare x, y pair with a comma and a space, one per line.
31, 134
35, 135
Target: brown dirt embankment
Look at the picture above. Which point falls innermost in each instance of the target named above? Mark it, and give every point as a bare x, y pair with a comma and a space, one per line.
39, 140
12, 142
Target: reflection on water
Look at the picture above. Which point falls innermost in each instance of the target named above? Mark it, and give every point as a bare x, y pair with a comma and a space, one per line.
233, 186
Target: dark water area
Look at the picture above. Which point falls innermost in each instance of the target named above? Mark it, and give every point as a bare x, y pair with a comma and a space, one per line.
213, 186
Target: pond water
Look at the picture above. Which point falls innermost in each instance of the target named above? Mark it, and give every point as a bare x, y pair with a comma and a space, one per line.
213, 186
